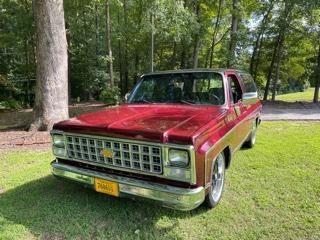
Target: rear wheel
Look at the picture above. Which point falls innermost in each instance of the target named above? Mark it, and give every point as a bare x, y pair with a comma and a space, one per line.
217, 181
252, 138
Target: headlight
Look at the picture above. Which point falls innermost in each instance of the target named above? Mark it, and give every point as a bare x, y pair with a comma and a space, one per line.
58, 140
58, 151
178, 158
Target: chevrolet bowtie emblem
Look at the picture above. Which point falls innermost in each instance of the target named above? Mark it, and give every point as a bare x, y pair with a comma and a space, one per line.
106, 153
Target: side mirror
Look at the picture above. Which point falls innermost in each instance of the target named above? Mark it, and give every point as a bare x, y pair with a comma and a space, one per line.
249, 98
126, 97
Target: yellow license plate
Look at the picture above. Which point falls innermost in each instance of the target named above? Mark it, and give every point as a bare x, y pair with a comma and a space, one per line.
107, 187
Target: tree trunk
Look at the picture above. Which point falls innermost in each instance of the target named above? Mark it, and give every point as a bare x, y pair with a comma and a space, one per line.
215, 32
27, 36
124, 89
137, 52
196, 47
256, 48
96, 33
87, 89
196, 51
317, 80
183, 55
152, 42
108, 39
274, 55
51, 103
69, 60
136, 65
174, 55
27, 73
206, 61
120, 54
279, 58
257, 61
233, 35
283, 24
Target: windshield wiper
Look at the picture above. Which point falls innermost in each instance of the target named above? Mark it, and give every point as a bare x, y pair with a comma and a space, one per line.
142, 100
187, 101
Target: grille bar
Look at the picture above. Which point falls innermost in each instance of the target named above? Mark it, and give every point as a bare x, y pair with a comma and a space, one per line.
119, 154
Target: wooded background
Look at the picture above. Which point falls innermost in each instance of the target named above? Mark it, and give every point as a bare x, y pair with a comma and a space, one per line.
110, 43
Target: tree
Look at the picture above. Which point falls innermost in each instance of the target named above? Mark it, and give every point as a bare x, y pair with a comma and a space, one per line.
233, 33
188, 33
317, 80
197, 39
215, 32
124, 87
254, 61
108, 40
51, 104
283, 24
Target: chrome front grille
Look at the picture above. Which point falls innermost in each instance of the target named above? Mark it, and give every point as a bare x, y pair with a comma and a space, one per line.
134, 156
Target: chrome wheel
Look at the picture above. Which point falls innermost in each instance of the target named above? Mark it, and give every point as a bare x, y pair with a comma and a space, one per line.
217, 181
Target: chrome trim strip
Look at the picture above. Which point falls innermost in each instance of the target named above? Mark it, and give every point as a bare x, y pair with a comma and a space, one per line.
173, 197
186, 147
193, 165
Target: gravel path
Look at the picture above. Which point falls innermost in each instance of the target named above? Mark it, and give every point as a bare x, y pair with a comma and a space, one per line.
298, 111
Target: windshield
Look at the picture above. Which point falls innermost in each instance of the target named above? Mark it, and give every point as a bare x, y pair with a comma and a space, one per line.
186, 88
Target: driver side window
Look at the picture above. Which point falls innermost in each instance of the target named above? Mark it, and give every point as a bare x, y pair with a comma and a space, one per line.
235, 89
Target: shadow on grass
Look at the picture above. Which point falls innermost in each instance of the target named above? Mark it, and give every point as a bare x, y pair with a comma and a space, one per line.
59, 209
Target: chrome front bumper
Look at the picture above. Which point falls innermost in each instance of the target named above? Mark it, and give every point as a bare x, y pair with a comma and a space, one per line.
183, 199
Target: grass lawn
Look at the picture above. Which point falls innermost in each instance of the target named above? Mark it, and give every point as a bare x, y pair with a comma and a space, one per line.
306, 96
272, 192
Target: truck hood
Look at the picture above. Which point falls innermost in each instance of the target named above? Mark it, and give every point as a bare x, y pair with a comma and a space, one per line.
164, 123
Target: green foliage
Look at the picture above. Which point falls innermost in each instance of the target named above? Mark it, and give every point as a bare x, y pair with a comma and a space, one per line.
7, 95
178, 25
11, 104
111, 95
6, 86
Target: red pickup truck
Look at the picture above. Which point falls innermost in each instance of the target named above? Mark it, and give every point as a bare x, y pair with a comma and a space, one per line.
170, 142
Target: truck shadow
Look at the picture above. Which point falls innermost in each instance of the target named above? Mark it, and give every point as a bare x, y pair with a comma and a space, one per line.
50, 208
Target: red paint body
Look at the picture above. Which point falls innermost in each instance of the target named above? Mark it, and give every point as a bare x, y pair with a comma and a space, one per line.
202, 126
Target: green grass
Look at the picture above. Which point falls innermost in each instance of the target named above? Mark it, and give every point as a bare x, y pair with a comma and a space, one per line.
271, 192
306, 96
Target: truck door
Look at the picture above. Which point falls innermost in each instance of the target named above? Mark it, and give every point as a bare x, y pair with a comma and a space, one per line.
237, 110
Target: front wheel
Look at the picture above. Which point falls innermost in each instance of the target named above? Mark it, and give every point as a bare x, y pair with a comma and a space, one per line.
217, 181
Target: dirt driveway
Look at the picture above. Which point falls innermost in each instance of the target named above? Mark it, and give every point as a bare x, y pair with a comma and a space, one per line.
12, 124
21, 118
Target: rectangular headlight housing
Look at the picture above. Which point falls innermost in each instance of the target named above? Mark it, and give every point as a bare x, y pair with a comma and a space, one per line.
58, 140
179, 158
58, 151
58, 143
